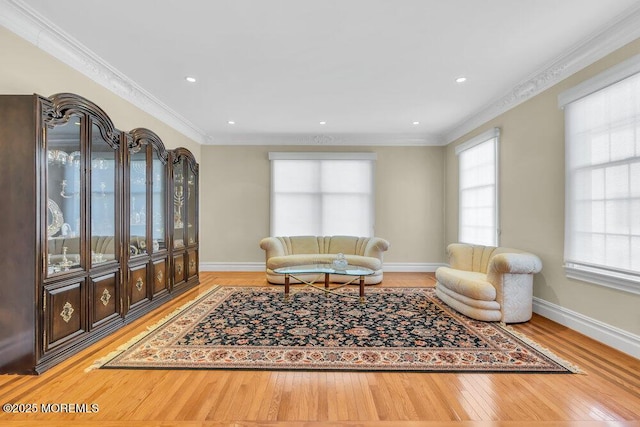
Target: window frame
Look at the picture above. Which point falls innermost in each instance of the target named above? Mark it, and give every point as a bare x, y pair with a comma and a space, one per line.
319, 156
491, 134
603, 275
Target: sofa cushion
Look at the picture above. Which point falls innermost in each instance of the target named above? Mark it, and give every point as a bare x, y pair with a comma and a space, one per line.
470, 257
344, 244
326, 245
468, 283
453, 300
470, 302
363, 261
304, 245
304, 259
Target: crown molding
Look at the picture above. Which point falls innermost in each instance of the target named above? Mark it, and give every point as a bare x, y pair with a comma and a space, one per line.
22, 20
622, 30
357, 139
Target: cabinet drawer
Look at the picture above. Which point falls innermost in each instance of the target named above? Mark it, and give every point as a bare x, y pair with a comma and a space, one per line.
178, 269
137, 284
65, 313
193, 263
159, 276
105, 301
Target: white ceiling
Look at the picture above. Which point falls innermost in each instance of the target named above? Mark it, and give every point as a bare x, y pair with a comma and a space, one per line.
369, 68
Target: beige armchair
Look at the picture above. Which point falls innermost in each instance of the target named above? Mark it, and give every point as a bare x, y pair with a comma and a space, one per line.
488, 283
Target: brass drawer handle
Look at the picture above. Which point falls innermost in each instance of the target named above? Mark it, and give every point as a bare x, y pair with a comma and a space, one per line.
139, 283
67, 311
179, 268
159, 276
106, 296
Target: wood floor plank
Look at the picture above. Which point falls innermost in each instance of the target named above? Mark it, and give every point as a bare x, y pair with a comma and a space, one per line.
607, 393
276, 398
336, 407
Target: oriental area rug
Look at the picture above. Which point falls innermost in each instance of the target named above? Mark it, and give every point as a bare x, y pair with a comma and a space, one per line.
394, 329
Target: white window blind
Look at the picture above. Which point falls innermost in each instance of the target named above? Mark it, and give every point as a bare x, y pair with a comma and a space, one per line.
602, 230
322, 194
478, 184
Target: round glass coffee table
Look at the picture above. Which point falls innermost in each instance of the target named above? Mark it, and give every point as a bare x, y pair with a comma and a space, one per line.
326, 269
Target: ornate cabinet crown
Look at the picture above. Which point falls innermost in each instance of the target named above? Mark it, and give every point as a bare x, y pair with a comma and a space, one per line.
91, 214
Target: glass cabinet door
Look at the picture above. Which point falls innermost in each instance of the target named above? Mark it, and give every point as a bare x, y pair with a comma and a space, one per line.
178, 204
192, 197
64, 196
103, 207
138, 201
159, 202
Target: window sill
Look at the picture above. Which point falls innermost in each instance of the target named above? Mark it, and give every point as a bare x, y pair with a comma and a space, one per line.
619, 281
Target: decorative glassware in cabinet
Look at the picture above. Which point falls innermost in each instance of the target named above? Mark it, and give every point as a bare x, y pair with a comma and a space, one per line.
64, 196
191, 206
138, 200
103, 207
159, 186
178, 204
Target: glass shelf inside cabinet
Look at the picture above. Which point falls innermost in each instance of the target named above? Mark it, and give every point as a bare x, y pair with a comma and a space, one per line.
138, 203
191, 206
103, 208
63, 196
178, 205
159, 223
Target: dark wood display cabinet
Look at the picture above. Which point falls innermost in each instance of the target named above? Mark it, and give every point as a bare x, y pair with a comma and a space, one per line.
88, 222
184, 218
147, 228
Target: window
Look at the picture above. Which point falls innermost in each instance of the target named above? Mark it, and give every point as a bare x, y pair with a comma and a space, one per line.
322, 194
602, 142
478, 191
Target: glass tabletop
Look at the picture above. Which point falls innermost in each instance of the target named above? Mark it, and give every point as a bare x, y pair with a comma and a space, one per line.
349, 270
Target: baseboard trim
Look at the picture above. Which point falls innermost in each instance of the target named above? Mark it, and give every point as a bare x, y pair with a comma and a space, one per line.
617, 338
411, 267
403, 267
232, 266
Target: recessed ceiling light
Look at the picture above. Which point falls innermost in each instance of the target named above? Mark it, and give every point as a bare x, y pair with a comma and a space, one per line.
190, 79
416, 123
461, 79
323, 123
231, 122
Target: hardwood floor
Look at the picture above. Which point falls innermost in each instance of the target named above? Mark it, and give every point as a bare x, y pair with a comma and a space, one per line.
608, 393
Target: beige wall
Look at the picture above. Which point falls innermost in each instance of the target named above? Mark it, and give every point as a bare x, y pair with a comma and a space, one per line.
26, 69
234, 182
235, 201
410, 195
532, 199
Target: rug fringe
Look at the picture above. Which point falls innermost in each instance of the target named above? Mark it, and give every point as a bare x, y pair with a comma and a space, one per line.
100, 362
551, 355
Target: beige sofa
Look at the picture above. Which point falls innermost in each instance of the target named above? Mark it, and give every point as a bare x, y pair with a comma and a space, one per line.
102, 246
99, 244
488, 283
288, 251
